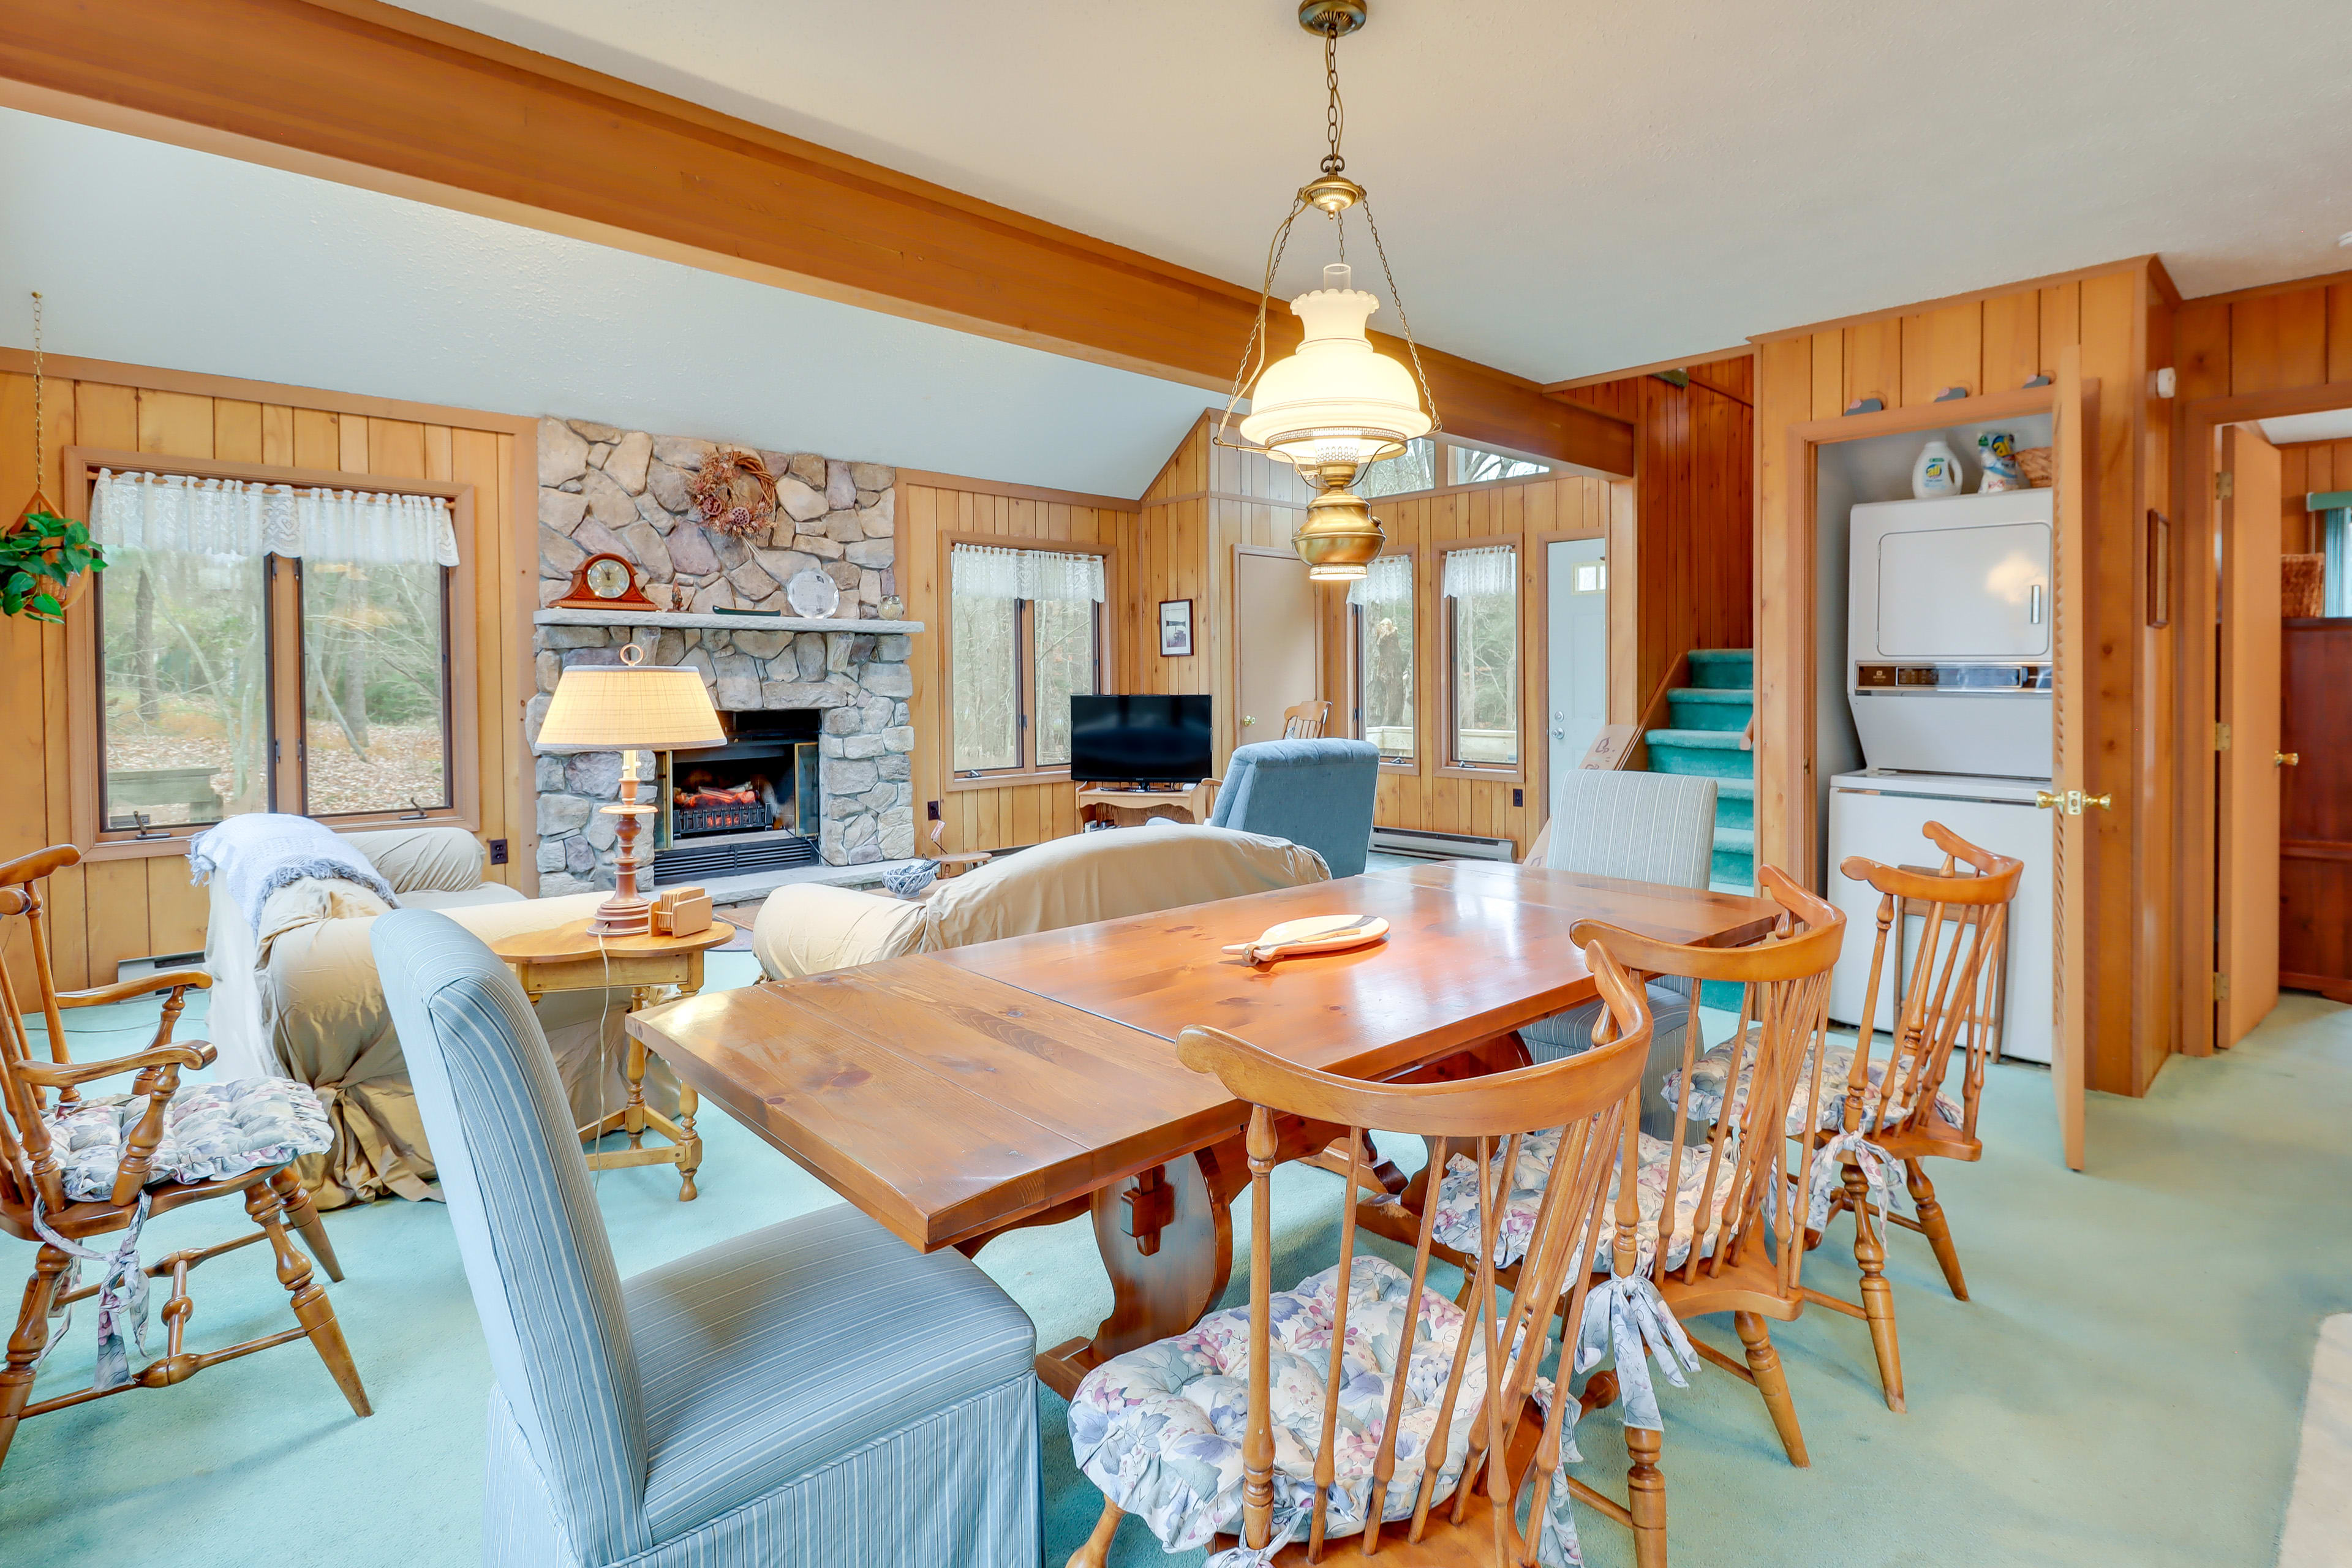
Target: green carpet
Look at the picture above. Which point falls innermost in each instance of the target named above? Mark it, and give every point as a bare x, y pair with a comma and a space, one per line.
2126, 1387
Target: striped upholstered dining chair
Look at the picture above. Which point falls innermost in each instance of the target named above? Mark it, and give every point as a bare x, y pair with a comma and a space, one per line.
1644, 827
814, 1393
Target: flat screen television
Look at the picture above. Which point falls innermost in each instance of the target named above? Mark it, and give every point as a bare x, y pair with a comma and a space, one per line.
1140, 739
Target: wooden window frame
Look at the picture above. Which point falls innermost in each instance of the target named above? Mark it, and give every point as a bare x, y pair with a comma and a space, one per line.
282, 590
1027, 773
1412, 769
1446, 766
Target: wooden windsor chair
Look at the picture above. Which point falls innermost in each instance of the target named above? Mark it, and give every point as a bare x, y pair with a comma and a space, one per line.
1700, 1221
1306, 721
1438, 1503
1893, 1107
33, 1182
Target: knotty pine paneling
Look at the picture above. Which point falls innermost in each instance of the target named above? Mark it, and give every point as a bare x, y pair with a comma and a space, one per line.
1012, 816
104, 911
1694, 507
2304, 467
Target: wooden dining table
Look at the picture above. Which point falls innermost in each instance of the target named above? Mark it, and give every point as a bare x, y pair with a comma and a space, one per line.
955, 1096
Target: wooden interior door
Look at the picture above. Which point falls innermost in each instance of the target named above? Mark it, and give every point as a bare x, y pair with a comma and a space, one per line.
2246, 792
1275, 663
2315, 827
2069, 785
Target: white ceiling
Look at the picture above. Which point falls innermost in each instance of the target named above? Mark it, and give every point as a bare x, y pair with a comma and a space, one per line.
1571, 186
2334, 424
153, 255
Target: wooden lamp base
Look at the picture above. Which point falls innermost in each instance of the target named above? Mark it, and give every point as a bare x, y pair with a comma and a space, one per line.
626, 912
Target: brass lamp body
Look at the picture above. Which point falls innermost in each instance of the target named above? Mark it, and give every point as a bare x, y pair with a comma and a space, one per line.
1339, 536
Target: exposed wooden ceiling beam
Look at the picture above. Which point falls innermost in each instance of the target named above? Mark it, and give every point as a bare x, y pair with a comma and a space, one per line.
386, 98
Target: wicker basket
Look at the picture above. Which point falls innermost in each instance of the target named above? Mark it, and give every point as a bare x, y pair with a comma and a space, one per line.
2033, 462
2302, 586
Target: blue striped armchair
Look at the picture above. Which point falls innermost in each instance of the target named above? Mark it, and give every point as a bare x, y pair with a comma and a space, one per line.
814, 1393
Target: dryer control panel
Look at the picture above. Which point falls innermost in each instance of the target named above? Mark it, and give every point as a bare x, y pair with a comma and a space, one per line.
1988, 679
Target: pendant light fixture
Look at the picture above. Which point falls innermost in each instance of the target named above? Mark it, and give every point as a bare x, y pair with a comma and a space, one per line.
1337, 405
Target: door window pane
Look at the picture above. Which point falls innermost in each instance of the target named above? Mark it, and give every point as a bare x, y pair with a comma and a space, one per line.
375, 688
986, 652
1486, 679
185, 718
1065, 634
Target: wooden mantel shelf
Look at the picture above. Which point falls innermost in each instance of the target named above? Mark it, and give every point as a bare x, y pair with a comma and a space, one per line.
721, 622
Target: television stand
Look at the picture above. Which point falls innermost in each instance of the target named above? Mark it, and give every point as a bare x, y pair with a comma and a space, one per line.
1131, 806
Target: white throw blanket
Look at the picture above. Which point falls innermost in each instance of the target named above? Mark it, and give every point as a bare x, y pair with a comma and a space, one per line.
256, 854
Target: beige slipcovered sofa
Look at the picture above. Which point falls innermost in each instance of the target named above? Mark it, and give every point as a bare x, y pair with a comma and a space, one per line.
806, 929
301, 998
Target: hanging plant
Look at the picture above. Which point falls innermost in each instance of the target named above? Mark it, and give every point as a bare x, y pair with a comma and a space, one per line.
734, 491
44, 561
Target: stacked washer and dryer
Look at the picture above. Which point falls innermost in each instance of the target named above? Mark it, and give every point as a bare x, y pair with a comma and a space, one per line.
1949, 670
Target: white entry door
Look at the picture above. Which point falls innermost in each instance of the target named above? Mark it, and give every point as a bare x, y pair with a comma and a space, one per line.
1576, 689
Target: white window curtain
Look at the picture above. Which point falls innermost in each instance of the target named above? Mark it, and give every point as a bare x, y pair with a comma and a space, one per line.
1492, 570
1387, 581
987, 572
231, 519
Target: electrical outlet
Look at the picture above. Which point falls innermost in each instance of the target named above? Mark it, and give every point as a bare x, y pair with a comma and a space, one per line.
498, 851
1519, 797
934, 815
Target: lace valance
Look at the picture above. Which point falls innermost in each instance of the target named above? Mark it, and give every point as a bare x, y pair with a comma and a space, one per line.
988, 571
1489, 570
1387, 582
231, 519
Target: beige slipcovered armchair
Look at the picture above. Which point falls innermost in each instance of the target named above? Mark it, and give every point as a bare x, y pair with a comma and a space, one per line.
300, 998
806, 929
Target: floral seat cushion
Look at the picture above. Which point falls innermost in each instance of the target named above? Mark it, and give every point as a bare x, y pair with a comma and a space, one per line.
1159, 1429
1837, 1067
210, 1131
1457, 1202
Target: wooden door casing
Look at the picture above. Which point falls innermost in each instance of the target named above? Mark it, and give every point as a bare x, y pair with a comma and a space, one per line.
2316, 810
2074, 418
2246, 832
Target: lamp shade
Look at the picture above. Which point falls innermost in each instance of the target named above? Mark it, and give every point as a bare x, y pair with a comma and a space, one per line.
635, 709
1337, 399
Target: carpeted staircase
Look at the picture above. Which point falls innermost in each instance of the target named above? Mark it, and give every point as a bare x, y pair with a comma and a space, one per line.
1706, 738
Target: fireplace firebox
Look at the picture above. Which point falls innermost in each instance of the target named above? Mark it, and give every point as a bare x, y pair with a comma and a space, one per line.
751, 804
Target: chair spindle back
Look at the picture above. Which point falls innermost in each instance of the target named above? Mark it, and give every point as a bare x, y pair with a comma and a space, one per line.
1952, 995
1591, 1100
1783, 1022
1306, 721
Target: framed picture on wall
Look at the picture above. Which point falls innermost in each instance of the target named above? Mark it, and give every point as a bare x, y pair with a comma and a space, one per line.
1175, 628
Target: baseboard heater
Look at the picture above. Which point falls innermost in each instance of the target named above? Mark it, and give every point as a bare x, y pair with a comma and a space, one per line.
1447, 846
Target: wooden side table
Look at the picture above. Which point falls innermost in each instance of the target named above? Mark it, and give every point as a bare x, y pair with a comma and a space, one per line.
1133, 807
569, 959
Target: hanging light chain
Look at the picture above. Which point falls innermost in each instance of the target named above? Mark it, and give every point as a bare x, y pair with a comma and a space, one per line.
1436, 420
1336, 117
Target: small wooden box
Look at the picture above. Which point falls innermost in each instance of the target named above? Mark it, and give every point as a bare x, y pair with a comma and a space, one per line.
681, 912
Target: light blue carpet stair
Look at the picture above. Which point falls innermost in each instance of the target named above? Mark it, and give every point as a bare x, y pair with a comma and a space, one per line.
1706, 736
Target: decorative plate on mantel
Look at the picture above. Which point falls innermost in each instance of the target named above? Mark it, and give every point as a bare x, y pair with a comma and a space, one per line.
812, 593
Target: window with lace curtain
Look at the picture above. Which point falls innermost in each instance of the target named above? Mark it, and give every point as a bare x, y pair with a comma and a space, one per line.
1480, 590
268, 648
1024, 636
1381, 606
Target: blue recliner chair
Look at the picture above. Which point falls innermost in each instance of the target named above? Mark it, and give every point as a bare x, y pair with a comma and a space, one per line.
816, 1394
1318, 794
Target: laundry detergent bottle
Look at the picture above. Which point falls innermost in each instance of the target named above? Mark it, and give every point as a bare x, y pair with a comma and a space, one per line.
1938, 471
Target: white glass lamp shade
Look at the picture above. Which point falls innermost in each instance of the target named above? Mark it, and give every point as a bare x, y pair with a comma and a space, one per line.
626, 709
1337, 399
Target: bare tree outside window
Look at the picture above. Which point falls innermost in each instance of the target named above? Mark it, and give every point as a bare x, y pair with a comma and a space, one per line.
986, 652
1485, 629
1064, 634
184, 716
376, 710
1016, 664
1476, 466
1384, 663
1414, 469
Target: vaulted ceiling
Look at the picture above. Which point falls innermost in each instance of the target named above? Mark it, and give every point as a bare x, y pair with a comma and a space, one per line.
1570, 187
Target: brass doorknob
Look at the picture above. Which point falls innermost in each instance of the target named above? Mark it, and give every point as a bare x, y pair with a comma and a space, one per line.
2287, 758
2071, 803
1248, 719
2104, 802
2046, 800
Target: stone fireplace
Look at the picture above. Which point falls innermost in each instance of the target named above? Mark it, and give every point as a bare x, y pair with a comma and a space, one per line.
793, 691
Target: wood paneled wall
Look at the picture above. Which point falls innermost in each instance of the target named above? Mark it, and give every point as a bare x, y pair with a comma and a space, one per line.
2306, 467
930, 507
1993, 343
1695, 499
108, 909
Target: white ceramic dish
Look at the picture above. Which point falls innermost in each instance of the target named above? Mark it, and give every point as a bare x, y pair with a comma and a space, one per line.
812, 593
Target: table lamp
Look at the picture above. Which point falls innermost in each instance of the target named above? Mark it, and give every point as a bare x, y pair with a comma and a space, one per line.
630, 710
